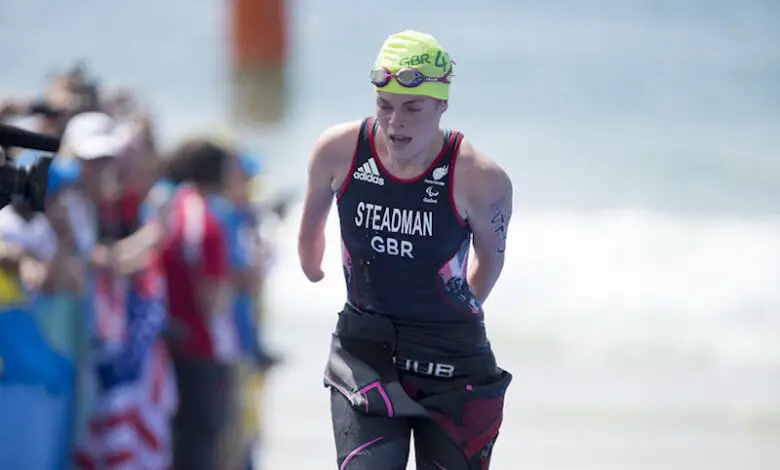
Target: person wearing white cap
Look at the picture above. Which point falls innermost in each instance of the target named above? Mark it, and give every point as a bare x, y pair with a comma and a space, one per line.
99, 142
96, 140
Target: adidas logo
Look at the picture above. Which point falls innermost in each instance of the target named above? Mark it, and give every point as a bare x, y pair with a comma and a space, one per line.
369, 173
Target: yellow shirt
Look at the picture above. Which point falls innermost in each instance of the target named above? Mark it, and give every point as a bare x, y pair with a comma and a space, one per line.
11, 292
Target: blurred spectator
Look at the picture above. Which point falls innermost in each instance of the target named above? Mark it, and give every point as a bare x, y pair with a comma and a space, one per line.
60, 308
83, 366
249, 260
99, 143
248, 269
156, 205
205, 342
73, 91
96, 140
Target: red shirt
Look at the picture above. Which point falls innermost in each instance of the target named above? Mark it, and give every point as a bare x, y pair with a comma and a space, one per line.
195, 250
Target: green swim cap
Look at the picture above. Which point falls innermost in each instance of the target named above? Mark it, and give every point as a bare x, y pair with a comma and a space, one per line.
422, 52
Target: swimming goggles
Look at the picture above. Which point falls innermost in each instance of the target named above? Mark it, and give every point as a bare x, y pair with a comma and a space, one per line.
408, 77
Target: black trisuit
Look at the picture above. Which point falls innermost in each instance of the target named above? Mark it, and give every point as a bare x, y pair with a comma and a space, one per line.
410, 352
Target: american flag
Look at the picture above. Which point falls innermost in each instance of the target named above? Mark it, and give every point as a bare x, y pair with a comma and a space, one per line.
128, 425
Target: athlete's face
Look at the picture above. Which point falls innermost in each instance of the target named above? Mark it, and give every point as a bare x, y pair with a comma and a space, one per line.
409, 123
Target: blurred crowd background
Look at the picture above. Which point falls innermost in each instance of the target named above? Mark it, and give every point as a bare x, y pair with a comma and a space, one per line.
97, 370
639, 311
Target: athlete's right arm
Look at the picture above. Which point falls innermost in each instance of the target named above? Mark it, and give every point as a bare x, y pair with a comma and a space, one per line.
329, 163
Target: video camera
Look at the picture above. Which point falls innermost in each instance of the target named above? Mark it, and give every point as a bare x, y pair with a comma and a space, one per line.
30, 182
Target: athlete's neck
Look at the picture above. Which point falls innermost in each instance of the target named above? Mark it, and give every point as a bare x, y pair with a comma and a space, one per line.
413, 161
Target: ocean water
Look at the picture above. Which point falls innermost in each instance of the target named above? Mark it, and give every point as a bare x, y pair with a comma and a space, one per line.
640, 305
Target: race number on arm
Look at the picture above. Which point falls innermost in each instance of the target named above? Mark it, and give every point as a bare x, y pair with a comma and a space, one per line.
488, 210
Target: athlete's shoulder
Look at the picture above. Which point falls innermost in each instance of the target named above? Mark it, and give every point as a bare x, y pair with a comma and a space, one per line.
481, 184
480, 170
333, 152
338, 137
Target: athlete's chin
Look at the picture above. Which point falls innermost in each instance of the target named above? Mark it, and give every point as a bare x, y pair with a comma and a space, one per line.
402, 150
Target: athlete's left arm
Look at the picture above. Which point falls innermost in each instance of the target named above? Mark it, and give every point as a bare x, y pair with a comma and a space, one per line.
488, 210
